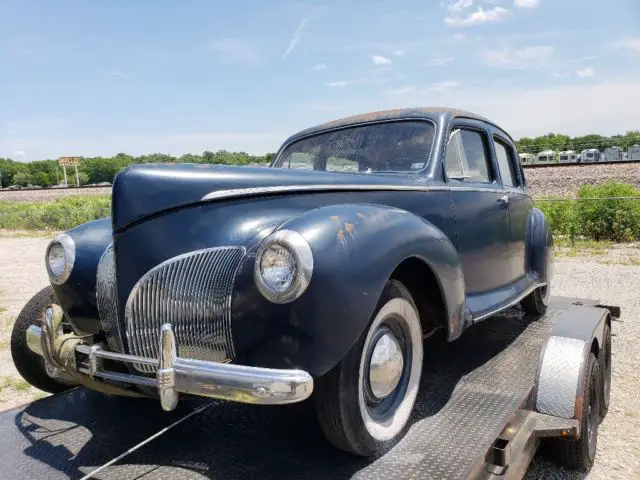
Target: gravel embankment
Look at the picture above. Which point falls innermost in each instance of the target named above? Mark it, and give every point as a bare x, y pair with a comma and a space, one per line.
543, 182
566, 181
618, 455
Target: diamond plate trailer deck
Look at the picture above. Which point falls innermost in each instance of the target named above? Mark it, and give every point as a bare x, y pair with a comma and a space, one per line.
476, 409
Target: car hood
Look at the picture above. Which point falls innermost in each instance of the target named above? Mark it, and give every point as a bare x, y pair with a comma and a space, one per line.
143, 190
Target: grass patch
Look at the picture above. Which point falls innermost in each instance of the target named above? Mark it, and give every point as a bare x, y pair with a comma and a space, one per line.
14, 383
627, 262
59, 214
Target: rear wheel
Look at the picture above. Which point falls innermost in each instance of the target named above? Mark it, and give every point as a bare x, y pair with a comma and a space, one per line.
580, 454
605, 371
537, 301
32, 366
364, 402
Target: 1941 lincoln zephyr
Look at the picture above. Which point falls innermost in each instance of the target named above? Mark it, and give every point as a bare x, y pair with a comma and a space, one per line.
321, 277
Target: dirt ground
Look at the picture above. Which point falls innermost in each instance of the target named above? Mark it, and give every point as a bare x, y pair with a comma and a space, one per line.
610, 274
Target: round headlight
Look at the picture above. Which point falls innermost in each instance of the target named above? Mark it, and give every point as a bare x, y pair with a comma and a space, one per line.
283, 267
60, 257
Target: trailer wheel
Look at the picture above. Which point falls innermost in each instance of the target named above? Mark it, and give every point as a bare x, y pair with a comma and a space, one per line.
537, 301
364, 403
580, 454
605, 371
30, 365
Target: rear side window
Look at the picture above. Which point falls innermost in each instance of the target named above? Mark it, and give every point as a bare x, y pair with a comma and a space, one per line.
505, 164
466, 157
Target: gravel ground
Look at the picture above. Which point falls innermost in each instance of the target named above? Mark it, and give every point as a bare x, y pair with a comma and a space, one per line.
565, 181
543, 182
587, 276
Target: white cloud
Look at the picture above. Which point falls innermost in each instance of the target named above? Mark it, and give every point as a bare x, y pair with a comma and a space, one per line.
19, 153
480, 16
319, 66
403, 90
459, 5
339, 83
48, 146
440, 61
560, 74
380, 60
603, 108
527, 3
399, 53
115, 73
442, 86
296, 37
236, 50
527, 57
632, 44
586, 72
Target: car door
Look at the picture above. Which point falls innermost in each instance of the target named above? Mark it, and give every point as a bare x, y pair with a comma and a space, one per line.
519, 201
480, 213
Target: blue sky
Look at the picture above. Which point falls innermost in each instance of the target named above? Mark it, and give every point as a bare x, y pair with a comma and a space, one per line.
98, 78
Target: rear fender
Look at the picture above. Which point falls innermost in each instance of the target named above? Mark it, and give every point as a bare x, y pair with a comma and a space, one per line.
539, 246
356, 248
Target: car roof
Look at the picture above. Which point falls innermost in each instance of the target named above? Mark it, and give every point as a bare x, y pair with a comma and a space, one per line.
438, 114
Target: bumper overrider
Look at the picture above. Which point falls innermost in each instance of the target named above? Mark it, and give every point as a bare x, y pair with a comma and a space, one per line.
174, 375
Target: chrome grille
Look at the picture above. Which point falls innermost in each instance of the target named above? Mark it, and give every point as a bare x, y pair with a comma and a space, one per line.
107, 298
192, 292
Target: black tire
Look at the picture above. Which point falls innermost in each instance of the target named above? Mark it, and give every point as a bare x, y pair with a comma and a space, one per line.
580, 454
605, 371
537, 301
30, 365
346, 405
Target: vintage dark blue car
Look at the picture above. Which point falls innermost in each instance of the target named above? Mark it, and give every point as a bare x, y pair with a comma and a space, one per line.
322, 274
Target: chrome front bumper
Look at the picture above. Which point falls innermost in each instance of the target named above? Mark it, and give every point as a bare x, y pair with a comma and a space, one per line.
175, 375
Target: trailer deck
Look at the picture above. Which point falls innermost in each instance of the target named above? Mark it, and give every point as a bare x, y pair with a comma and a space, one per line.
471, 389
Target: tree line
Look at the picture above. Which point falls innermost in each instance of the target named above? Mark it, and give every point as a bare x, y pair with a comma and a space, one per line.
46, 173
560, 142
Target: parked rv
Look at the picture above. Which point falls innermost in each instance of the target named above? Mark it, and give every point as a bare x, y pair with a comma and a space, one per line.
612, 154
633, 153
590, 155
568, 156
527, 159
546, 156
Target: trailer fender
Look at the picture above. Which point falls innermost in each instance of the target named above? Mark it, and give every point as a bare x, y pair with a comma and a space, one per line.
577, 332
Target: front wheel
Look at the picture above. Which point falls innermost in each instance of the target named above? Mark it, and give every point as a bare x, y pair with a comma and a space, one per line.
31, 366
364, 402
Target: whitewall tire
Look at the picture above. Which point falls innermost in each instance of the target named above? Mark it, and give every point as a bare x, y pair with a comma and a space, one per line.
364, 403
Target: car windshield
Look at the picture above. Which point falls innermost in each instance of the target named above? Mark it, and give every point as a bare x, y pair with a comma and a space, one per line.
401, 146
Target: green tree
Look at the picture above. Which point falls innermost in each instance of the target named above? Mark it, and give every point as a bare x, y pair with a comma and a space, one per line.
21, 178
41, 178
83, 178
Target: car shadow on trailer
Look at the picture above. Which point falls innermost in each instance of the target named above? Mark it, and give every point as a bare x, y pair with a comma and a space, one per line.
75, 432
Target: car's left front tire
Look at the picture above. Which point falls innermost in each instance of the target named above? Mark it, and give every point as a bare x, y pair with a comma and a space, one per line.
364, 403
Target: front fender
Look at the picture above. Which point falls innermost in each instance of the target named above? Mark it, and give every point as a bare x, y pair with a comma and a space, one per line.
356, 249
77, 296
539, 246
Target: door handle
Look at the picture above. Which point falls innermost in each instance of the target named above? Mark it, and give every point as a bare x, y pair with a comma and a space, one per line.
504, 199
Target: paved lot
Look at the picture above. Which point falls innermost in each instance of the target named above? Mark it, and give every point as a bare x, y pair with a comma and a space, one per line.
23, 274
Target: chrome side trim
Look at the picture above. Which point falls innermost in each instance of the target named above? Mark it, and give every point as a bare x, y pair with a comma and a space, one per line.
511, 303
251, 191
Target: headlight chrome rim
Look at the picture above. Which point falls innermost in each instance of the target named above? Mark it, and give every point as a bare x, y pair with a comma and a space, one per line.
301, 252
69, 248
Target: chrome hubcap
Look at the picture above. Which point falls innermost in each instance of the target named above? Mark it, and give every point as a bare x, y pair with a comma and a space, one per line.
385, 369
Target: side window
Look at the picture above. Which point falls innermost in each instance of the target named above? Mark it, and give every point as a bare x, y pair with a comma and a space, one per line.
337, 164
466, 157
505, 164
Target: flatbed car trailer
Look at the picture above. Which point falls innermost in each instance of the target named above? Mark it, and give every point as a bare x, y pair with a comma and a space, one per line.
487, 402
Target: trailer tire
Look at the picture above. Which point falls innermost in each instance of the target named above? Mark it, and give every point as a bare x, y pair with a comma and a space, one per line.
579, 454
359, 413
605, 371
31, 366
